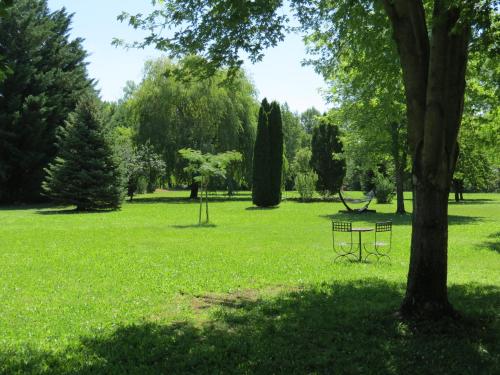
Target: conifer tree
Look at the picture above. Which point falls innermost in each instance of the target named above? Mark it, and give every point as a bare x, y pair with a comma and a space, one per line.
275, 153
261, 172
86, 173
46, 76
268, 156
326, 159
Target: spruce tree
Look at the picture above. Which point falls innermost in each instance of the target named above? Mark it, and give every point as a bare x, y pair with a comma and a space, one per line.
86, 173
326, 147
261, 171
275, 154
47, 75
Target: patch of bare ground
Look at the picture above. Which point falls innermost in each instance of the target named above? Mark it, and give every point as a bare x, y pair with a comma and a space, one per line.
238, 299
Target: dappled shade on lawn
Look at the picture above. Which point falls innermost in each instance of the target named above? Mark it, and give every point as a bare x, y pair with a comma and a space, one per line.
344, 327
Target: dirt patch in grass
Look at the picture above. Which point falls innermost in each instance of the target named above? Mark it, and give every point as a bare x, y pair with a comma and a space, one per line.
238, 299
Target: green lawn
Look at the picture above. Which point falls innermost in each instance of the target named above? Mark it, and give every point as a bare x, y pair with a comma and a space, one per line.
144, 290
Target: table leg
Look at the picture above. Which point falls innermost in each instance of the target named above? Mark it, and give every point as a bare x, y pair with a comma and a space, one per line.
359, 246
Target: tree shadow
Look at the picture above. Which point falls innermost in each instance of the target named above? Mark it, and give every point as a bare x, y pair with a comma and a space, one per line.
397, 219
493, 244
72, 211
339, 328
23, 207
257, 208
187, 226
472, 201
187, 200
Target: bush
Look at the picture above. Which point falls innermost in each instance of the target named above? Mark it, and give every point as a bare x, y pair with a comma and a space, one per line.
384, 189
305, 183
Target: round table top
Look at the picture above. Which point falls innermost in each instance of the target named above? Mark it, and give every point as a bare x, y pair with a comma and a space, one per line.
362, 229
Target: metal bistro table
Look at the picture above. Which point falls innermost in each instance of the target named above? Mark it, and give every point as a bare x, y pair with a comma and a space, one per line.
361, 230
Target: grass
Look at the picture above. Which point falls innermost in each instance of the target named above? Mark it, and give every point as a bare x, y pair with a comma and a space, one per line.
145, 290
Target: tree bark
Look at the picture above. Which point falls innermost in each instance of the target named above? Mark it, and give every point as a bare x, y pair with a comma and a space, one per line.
194, 191
399, 167
434, 78
426, 293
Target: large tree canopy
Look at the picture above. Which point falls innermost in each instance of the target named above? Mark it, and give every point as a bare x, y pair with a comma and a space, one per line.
172, 112
47, 76
433, 39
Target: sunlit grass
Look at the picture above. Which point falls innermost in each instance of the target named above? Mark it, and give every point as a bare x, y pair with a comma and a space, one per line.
65, 276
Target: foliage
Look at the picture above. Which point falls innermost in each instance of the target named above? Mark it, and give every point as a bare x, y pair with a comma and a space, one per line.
48, 76
384, 189
261, 157
479, 138
302, 160
174, 112
206, 166
163, 296
294, 137
144, 164
276, 154
86, 172
268, 156
326, 157
309, 119
305, 183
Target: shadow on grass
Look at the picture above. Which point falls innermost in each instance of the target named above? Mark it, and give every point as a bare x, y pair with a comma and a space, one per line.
472, 201
22, 207
72, 211
494, 243
340, 328
187, 200
397, 219
256, 208
188, 226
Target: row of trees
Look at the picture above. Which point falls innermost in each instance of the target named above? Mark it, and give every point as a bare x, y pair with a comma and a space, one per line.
45, 74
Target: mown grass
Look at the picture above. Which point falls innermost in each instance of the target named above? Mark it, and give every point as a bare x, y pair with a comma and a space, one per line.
145, 290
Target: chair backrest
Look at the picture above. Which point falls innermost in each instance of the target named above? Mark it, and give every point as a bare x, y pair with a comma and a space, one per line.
385, 226
341, 226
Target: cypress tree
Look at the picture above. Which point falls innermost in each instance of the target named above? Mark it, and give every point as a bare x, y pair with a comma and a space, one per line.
275, 154
325, 144
86, 172
47, 75
261, 172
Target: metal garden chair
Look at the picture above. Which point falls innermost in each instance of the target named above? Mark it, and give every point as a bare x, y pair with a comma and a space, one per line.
381, 247
342, 240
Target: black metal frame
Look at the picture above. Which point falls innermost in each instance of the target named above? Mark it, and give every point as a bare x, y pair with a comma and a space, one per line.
381, 249
343, 249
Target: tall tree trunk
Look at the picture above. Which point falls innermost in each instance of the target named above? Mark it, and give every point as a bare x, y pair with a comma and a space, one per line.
426, 292
456, 189
194, 190
400, 199
434, 66
399, 167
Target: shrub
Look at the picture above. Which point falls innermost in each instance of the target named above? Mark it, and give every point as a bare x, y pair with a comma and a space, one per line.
384, 189
305, 183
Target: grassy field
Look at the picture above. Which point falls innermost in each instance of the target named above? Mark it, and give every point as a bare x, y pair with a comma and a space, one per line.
145, 290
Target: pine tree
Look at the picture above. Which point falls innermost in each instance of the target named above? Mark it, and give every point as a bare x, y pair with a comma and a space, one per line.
275, 154
86, 172
47, 76
326, 147
261, 171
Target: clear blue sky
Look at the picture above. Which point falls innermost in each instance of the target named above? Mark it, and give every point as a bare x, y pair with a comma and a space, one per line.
279, 76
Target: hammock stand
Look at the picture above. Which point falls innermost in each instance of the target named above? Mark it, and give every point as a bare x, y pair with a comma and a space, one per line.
349, 210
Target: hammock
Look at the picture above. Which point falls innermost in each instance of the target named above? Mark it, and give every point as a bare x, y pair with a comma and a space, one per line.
368, 198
